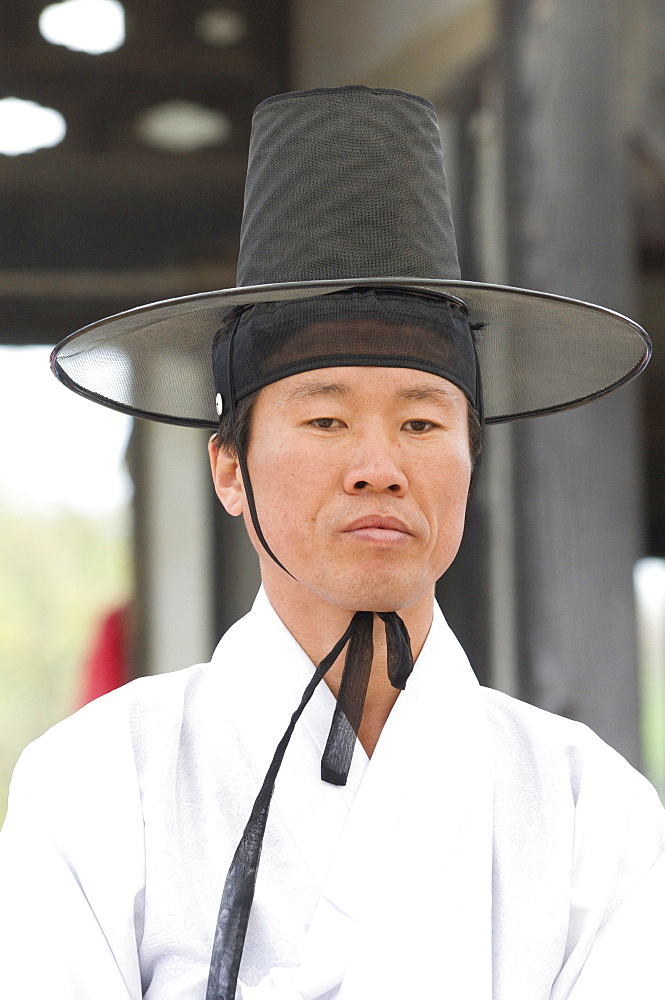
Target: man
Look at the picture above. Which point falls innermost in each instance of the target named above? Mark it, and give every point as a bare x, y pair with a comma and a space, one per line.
469, 845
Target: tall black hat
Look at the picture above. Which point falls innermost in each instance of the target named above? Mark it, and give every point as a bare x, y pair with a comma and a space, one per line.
346, 193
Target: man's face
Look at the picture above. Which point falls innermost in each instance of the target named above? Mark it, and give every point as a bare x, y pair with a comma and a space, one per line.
360, 477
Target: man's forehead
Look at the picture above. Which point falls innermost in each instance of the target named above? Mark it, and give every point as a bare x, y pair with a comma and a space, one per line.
401, 384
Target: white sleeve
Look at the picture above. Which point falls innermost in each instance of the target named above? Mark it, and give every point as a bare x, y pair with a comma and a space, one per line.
627, 958
617, 919
68, 883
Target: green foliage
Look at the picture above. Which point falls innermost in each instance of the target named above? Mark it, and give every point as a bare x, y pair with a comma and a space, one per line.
59, 574
652, 689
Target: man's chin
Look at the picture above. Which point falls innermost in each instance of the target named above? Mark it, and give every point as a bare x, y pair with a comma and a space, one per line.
371, 594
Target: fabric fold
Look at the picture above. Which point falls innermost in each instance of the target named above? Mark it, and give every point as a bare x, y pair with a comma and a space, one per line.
627, 958
412, 873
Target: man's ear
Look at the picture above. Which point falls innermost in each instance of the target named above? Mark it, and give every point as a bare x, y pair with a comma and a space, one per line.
227, 478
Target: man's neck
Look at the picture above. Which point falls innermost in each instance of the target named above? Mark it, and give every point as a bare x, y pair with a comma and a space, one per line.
317, 625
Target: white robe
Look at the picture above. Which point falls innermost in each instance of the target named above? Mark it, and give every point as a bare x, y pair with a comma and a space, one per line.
487, 851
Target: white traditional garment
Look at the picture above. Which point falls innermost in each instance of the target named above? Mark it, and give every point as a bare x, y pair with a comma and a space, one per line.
487, 851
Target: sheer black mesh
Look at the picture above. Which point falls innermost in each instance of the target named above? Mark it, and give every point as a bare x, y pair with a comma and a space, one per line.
537, 352
347, 181
361, 327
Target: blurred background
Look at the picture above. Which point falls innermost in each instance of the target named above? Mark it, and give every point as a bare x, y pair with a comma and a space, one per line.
123, 138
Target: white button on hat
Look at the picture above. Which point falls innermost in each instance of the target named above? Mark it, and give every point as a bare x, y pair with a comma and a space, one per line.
219, 404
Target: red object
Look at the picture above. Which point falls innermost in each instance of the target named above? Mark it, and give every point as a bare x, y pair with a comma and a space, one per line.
106, 666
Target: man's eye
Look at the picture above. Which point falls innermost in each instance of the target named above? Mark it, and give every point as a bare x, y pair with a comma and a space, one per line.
418, 425
323, 422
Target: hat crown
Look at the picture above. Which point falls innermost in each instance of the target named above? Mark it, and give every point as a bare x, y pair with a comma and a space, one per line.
342, 183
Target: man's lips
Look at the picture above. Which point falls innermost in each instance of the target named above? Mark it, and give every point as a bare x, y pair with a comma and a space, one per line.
378, 528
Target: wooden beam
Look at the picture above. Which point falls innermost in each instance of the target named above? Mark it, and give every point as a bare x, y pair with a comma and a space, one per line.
42, 307
165, 282
55, 65
64, 171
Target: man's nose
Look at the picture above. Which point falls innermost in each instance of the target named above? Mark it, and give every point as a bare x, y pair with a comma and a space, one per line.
375, 468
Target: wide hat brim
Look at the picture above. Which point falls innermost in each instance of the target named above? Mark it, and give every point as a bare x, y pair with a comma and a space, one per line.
538, 353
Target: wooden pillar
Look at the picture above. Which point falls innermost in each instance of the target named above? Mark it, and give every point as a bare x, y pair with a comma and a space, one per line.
174, 556
577, 475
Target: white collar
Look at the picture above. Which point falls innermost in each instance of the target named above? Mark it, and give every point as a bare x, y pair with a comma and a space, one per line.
412, 850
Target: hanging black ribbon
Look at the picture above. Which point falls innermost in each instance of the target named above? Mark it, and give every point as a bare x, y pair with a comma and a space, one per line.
347, 717
240, 882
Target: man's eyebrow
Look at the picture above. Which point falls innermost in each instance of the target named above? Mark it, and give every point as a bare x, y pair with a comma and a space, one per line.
430, 393
318, 388
423, 392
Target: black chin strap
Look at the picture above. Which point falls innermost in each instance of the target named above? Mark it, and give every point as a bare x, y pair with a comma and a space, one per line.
238, 893
348, 714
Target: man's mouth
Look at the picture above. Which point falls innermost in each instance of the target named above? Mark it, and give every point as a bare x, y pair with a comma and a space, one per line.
378, 528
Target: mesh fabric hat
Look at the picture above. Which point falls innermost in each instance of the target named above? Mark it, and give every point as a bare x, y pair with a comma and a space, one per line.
346, 191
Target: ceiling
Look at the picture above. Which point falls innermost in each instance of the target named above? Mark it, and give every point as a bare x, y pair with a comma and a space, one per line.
102, 221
